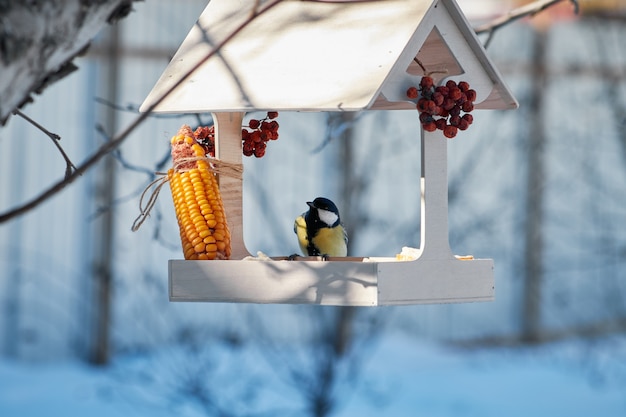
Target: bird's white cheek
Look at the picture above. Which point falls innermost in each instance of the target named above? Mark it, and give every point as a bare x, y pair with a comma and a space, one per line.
327, 217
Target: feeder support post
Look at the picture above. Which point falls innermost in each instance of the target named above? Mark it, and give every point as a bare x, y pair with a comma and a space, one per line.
228, 149
434, 241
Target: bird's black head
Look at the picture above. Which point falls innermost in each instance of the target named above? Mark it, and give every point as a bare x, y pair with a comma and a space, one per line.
324, 210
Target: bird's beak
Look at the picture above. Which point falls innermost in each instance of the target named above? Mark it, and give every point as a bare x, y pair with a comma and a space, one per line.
310, 204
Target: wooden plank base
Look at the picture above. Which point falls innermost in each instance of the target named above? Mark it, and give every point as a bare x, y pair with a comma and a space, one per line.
341, 283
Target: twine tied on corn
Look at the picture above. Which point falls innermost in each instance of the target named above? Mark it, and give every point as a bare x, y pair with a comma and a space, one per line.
216, 166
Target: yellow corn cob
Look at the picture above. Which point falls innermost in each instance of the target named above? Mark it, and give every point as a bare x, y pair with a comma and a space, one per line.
204, 233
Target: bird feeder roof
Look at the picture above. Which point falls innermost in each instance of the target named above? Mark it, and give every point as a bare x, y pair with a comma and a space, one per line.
325, 56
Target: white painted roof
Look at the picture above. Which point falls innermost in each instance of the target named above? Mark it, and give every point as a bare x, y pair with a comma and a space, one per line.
325, 56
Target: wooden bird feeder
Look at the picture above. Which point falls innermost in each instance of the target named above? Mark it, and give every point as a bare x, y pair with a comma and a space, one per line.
331, 56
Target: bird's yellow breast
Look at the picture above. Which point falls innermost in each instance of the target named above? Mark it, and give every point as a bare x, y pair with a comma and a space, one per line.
331, 241
328, 241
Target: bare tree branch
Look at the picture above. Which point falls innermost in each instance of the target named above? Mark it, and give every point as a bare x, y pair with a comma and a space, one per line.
120, 137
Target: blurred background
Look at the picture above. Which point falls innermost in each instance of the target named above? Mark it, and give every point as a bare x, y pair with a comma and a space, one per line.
85, 321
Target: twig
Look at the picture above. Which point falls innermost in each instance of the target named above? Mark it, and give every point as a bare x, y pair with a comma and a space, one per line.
120, 137
117, 154
529, 9
69, 166
418, 62
133, 108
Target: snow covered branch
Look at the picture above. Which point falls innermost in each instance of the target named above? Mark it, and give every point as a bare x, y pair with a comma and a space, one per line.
39, 40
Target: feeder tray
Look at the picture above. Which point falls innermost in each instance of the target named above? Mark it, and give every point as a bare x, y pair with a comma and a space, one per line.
330, 56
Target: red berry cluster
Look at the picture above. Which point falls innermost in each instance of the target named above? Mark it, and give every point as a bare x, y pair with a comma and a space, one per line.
205, 135
258, 133
440, 106
254, 136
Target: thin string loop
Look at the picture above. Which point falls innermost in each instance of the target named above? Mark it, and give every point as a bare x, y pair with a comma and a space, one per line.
216, 166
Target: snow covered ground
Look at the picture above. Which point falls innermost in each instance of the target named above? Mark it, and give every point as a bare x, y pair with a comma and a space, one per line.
404, 377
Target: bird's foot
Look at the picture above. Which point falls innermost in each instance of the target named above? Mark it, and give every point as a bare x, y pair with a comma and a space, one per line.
293, 257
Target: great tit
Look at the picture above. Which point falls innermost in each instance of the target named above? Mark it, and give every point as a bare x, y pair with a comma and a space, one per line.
319, 230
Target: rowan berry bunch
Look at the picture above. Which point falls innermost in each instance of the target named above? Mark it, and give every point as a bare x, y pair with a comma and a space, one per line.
258, 133
440, 107
254, 136
205, 136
